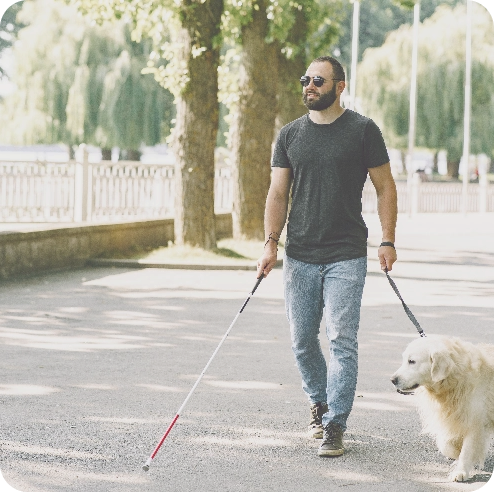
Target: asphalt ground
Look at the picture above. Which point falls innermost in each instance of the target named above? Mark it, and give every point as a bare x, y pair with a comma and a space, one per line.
96, 362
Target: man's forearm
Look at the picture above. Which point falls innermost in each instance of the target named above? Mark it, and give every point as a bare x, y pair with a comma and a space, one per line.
275, 215
274, 218
388, 212
274, 221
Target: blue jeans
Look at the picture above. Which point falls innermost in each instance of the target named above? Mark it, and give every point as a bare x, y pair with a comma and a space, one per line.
337, 289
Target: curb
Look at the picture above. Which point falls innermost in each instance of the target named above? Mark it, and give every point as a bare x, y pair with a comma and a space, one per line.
101, 262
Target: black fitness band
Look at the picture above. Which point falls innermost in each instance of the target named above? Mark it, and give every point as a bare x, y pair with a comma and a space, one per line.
387, 243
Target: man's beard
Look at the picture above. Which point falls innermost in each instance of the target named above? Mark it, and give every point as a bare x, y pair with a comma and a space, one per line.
324, 101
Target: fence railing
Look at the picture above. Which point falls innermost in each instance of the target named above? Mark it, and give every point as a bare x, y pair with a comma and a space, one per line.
434, 197
129, 189
36, 191
78, 191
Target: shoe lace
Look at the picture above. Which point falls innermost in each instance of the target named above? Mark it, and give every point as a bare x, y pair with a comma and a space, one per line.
332, 433
315, 415
317, 411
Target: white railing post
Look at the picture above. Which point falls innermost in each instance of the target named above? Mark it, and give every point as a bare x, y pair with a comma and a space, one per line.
483, 184
47, 197
82, 186
415, 198
483, 166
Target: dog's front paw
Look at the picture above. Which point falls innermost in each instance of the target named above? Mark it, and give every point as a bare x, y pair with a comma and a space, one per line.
451, 449
458, 475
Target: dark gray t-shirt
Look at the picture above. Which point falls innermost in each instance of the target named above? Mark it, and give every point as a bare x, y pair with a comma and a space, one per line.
329, 165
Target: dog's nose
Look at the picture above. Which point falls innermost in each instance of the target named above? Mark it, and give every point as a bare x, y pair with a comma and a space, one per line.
394, 380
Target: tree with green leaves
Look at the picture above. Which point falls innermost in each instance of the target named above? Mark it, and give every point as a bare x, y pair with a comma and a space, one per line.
254, 118
80, 83
275, 38
187, 33
311, 27
186, 41
377, 19
9, 27
384, 83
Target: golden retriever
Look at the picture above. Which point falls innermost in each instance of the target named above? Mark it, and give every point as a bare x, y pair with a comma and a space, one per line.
454, 383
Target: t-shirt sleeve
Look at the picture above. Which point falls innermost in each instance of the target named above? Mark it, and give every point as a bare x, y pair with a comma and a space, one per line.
280, 156
375, 152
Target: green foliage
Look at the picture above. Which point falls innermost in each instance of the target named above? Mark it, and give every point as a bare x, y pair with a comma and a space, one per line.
321, 15
407, 4
88, 83
145, 110
384, 83
321, 20
377, 19
161, 21
9, 27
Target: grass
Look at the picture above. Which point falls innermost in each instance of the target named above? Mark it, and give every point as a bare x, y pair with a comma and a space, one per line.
228, 252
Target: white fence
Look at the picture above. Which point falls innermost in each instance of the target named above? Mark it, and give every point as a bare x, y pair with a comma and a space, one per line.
435, 197
36, 191
127, 189
82, 191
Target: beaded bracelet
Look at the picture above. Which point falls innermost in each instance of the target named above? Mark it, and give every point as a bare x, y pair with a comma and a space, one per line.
270, 238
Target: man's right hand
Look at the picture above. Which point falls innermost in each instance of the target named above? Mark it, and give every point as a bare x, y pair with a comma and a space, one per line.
268, 260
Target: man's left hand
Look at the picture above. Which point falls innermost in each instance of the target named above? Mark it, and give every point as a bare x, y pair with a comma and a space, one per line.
387, 256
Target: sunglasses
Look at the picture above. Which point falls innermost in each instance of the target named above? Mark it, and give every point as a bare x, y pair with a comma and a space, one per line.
318, 80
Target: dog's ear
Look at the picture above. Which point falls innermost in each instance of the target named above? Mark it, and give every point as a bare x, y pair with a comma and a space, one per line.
441, 366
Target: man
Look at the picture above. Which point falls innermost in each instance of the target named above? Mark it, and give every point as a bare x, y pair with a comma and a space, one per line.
324, 158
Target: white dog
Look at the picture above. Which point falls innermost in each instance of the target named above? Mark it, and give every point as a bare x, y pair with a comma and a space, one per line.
454, 383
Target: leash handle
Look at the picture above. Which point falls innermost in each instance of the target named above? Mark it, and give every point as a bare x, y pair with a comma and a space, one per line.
405, 307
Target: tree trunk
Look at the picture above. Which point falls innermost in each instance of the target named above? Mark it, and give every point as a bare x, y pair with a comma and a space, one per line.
105, 154
132, 155
453, 169
253, 126
197, 125
290, 103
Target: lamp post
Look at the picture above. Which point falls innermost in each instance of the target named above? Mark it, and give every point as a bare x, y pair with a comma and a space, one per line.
413, 104
466, 117
355, 32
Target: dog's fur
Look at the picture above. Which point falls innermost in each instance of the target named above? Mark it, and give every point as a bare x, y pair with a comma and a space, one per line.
454, 385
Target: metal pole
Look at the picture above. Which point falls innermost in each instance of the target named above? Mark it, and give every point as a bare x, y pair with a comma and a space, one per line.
468, 98
413, 103
355, 32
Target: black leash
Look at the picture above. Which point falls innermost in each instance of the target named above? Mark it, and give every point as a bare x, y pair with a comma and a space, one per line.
405, 307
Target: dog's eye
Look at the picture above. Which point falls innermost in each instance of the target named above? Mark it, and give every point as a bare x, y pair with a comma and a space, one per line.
411, 361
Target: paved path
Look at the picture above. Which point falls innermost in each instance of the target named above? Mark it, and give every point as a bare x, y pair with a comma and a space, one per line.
96, 362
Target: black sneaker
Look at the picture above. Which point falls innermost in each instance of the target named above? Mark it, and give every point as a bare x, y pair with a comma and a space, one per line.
332, 444
317, 410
